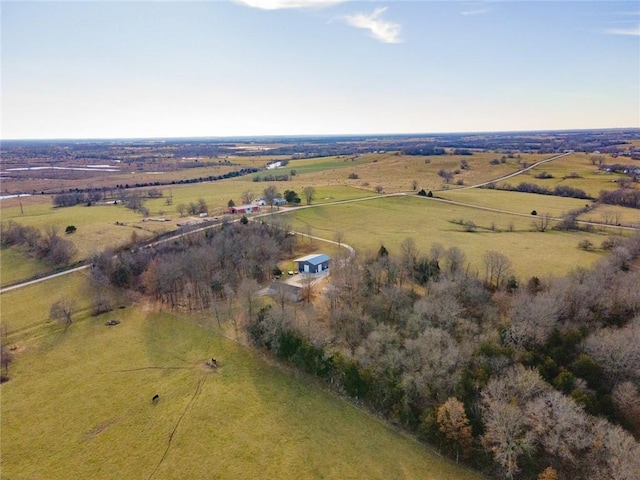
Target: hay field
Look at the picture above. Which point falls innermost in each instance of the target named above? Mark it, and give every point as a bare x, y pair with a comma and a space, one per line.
389, 221
78, 405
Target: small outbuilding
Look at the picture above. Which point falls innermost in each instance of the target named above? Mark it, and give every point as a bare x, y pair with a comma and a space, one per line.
244, 209
315, 263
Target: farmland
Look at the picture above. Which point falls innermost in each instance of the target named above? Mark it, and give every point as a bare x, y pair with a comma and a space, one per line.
78, 402
429, 222
79, 405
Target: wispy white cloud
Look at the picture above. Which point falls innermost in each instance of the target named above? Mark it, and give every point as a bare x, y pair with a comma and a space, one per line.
478, 11
475, 8
279, 4
634, 31
383, 30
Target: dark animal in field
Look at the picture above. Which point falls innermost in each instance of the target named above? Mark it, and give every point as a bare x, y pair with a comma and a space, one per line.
155, 399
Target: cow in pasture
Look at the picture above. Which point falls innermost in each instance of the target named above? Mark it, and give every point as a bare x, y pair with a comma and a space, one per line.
155, 399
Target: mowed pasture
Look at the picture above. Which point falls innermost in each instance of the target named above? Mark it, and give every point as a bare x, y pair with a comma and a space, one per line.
79, 405
389, 221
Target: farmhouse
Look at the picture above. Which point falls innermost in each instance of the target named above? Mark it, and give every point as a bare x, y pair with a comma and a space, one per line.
314, 263
244, 209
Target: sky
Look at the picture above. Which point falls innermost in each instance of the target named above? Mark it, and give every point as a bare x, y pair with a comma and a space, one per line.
108, 69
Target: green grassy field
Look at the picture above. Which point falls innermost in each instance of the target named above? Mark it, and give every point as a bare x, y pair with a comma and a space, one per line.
78, 405
25, 312
389, 221
16, 266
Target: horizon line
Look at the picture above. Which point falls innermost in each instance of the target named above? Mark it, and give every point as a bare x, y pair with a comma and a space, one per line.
309, 135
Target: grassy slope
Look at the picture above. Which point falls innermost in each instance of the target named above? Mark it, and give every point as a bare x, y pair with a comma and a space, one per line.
591, 180
16, 266
515, 201
390, 221
78, 406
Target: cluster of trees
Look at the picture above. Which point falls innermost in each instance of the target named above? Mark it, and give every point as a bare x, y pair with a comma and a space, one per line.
200, 271
559, 190
47, 245
131, 199
309, 194
270, 177
540, 380
626, 197
193, 208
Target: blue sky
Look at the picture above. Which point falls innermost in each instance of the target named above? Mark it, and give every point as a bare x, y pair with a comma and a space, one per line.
91, 69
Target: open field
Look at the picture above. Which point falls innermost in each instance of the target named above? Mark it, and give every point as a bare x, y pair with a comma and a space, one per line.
25, 311
555, 206
396, 173
389, 221
96, 225
515, 201
16, 266
613, 214
591, 180
78, 405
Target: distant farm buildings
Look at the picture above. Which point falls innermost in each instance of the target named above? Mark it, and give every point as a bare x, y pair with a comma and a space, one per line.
244, 209
314, 263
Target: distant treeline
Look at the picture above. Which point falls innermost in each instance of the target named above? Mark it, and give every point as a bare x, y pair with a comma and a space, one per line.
559, 191
626, 197
98, 192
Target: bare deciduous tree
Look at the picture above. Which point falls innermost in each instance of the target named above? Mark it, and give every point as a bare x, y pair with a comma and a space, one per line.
248, 197
542, 222
270, 194
496, 267
309, 194
62, 310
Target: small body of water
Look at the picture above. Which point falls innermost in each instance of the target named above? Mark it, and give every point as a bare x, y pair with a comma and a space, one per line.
4, 197
97, 168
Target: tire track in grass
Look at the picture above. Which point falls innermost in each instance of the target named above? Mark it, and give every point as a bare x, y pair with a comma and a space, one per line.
147, 368
184, 412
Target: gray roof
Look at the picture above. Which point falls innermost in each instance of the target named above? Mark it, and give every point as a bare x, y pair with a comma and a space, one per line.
314, 259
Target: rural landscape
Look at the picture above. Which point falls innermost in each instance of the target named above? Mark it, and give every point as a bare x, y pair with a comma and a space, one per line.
320, 239
476, 314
